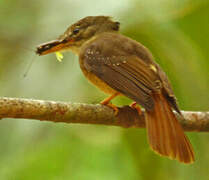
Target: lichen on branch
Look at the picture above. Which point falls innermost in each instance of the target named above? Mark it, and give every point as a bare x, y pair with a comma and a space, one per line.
90, 114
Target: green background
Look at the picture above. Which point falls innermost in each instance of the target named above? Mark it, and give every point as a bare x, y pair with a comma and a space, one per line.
176, 31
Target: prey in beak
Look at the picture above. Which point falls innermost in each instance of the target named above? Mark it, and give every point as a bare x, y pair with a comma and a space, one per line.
52, 46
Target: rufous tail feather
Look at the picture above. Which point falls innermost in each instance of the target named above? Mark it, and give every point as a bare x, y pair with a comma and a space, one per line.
165, 134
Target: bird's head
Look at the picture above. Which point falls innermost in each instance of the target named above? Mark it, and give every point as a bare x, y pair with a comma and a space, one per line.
77, 34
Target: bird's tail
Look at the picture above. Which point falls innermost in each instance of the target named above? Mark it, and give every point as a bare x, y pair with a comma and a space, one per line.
165, 134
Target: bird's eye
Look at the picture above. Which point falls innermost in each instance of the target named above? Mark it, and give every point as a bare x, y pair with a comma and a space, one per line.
76, 31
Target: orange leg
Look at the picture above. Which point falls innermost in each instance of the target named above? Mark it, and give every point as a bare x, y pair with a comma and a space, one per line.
107, 103
108, 99
135, 106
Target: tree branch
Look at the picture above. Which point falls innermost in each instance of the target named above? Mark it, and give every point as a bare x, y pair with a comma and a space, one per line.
90, 114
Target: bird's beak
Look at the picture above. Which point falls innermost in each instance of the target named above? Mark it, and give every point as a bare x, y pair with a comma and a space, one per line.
53, 46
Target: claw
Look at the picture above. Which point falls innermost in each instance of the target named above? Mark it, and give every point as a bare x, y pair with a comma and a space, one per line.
115, 108
106, 102
112, 106
135, 106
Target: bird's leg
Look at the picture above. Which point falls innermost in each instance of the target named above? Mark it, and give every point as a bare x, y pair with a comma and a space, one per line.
135, 106
108, 99
106, 102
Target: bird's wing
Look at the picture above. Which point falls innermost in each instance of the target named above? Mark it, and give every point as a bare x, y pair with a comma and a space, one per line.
127, 74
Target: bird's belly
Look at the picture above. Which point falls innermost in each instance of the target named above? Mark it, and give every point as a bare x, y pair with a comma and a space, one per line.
98, 82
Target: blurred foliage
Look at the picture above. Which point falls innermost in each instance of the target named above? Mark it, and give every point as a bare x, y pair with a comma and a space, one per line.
177, 34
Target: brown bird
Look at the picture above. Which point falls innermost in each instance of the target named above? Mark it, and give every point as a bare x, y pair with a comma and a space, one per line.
119, 65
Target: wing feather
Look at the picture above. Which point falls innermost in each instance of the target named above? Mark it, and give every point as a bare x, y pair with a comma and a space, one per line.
125, 66
131, 77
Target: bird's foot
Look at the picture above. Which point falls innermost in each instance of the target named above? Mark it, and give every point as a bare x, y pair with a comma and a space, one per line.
134, 105
112, 106
107, 102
